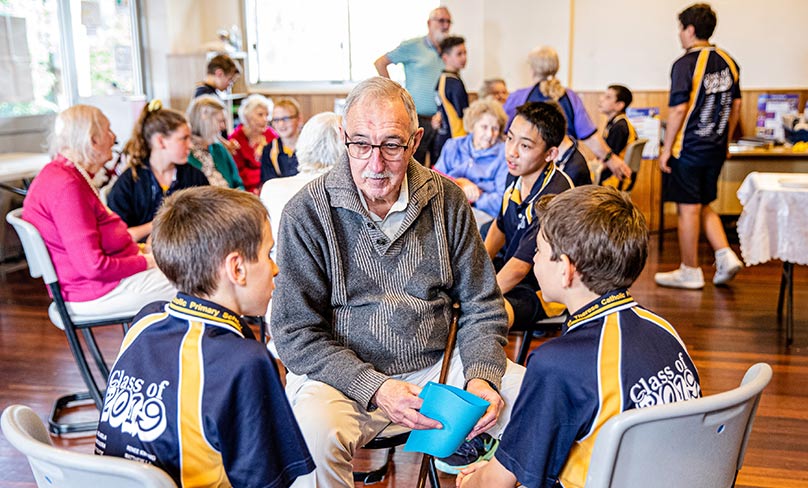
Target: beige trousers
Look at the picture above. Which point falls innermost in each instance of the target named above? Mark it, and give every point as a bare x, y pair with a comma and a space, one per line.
335, 426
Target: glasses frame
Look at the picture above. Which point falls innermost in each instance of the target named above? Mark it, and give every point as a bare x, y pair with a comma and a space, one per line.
389, 145
288, 118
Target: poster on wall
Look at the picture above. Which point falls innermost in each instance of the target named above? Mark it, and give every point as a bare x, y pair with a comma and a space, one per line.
770, 111
648, 125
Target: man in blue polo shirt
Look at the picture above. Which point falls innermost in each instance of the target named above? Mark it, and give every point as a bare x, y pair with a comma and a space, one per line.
705, 103
423, 66
530, 149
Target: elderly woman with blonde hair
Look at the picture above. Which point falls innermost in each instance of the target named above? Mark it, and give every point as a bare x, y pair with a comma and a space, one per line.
476, 161
544, 64
102, 270
319, 146
207, 119
252, 135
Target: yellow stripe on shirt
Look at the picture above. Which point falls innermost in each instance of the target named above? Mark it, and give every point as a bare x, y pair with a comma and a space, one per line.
200, 464
139, 327
573, 475
698, 77
454, 119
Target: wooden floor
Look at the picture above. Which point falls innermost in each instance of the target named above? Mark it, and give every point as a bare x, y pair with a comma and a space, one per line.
726, 330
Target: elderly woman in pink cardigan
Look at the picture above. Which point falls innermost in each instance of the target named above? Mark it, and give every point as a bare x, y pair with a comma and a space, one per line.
101, 269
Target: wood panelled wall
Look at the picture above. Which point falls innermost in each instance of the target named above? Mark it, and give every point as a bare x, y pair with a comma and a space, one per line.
647, 191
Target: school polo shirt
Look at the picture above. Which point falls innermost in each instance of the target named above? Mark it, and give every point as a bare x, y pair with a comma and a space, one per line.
194, 395
422, 69
517, 219
613, 356
136, 201
619, 133
707, 79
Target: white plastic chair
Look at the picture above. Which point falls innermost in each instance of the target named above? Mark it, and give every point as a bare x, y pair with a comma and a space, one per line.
697, 443
40, 265
59, 468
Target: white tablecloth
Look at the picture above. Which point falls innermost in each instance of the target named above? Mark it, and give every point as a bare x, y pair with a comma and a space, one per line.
16, 166
774, 221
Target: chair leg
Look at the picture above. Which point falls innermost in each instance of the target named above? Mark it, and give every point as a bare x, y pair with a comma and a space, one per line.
783, 281
524, 347
63, 403
433, 473
98, 357
83, 365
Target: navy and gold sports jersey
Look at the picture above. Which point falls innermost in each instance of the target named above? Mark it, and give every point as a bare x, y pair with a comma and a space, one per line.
613, 356
516, 219
619, 133
707, 79
191, 394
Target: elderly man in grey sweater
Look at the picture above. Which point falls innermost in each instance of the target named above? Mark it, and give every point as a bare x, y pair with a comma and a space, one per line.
372, 256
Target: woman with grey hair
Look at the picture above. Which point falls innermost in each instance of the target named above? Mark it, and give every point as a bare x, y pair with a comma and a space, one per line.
319, 146
476, 162
252, 136
102, 270
207, 119
544, 64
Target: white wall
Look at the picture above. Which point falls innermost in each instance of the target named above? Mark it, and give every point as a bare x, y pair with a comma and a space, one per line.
635, 42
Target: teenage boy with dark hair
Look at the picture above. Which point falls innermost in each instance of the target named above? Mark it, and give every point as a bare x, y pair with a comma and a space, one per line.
531, 146
614, 355
192, 392
619, 132
222, 72
451, 96
705, 103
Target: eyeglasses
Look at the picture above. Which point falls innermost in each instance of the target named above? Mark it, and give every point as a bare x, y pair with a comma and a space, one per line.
283, 119
443, 21
390, 151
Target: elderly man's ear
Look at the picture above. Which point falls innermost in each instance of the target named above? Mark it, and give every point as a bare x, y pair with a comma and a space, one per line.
416, 141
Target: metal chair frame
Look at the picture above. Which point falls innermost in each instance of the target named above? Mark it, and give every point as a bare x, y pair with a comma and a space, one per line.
41, 266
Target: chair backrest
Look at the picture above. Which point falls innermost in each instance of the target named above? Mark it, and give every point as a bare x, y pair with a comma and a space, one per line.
55, 467
633, 160
696, 443
634, 154
39, 261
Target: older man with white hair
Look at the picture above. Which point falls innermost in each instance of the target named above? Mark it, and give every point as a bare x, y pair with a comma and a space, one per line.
420, 57
372, 256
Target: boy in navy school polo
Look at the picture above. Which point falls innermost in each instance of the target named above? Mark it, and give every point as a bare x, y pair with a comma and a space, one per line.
613, 355
531, 147
192, 392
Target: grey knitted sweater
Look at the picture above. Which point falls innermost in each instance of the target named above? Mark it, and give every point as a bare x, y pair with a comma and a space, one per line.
352, 307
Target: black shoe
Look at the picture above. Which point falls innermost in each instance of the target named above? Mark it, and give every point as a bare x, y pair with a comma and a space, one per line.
480, 448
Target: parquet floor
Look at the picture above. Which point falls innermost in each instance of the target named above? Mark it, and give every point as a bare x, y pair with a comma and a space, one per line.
726, 330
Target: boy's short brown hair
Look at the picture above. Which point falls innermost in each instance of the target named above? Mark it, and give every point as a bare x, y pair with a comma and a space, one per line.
548, 119
197, 228
603, 234
224, 63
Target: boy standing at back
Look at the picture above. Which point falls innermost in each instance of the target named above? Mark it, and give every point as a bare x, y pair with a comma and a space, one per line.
705, 103
451, 97
192, 392
613, 356
531, 146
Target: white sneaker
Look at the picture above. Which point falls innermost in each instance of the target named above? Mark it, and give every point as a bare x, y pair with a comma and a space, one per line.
684, 277
726, 267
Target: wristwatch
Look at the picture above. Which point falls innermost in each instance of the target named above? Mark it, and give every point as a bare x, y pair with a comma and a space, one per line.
608, 156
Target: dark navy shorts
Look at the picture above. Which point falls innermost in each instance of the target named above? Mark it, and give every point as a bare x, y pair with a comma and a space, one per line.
691, 183
527, 309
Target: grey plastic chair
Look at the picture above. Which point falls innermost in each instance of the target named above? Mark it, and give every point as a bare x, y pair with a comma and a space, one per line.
59, 468
40, 265
698, 443
633, 159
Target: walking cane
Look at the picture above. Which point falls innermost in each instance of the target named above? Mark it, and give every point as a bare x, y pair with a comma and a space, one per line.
427, 465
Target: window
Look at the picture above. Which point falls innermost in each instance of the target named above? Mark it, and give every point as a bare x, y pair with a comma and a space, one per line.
327, 40
53, 53
29, 58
